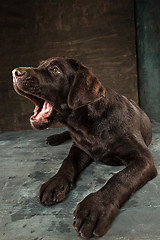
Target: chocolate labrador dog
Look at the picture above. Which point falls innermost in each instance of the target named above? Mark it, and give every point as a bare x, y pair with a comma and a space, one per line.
104, 126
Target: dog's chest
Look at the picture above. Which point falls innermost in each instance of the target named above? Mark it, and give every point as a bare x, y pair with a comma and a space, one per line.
87, 133
89, 143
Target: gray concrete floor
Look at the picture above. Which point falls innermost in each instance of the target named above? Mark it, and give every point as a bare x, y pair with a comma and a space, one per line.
26, 162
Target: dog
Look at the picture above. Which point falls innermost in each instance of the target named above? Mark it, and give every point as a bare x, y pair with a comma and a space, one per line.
103, 125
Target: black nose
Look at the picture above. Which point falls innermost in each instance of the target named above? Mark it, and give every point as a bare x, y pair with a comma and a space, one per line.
18, 72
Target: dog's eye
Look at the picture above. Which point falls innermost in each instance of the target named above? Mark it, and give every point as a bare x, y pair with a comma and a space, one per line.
56, 70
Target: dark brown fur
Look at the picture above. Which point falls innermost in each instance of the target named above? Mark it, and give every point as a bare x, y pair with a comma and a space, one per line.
103, 125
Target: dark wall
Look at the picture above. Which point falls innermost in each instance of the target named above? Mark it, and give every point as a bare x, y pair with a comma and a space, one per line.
100, 33
148, 33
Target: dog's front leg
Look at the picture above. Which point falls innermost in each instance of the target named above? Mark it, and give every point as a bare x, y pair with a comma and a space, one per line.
95, 213
56, 188
57, 139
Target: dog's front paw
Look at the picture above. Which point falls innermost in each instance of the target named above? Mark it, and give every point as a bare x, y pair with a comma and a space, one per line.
54, 190
54, 140
93, 216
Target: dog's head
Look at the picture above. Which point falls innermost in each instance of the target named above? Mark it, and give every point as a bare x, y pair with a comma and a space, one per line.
56, 84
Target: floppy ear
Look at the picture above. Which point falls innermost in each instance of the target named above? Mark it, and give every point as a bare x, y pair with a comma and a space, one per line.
85, 89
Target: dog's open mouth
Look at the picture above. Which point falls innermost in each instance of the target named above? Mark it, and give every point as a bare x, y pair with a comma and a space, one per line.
43, 111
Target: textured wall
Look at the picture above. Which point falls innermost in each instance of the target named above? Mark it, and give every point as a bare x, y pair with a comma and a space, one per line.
100, 33
148, 33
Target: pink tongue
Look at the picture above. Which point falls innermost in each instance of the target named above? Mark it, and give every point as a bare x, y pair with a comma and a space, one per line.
45, 112
45, 106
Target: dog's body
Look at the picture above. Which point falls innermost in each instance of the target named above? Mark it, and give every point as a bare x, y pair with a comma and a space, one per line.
103, 125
